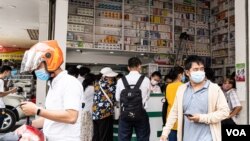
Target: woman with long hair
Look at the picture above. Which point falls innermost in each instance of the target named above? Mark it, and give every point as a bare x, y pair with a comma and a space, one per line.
88, 96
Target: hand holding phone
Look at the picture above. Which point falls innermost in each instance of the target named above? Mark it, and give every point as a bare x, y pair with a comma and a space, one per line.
188, 115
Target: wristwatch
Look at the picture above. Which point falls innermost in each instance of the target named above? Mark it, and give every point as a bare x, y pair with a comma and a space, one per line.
38, 111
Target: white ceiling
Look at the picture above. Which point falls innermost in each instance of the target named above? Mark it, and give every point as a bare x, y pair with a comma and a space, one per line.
15, 17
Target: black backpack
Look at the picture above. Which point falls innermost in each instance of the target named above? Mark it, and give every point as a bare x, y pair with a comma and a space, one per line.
132, 108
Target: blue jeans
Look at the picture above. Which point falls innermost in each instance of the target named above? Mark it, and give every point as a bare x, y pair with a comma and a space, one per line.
142, 129
172, 136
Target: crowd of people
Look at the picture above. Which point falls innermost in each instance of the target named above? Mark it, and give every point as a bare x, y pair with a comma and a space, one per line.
80, 105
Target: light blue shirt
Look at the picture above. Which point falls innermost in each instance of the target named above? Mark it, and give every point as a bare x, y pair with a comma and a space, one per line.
196, 103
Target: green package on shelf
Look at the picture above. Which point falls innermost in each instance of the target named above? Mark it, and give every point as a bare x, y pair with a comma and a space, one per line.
80, 44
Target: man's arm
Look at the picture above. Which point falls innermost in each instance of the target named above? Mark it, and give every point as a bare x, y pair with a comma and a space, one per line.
2, 94
235, 111
66, 116
38, 123
236, 105
118, 90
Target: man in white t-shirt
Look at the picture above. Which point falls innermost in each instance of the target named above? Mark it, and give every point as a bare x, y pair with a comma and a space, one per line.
5, 71
60, 119
141, 126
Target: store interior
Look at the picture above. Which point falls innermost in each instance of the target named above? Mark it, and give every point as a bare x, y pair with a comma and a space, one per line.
150, 29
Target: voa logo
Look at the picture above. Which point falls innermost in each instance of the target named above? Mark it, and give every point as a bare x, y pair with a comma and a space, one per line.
236, 132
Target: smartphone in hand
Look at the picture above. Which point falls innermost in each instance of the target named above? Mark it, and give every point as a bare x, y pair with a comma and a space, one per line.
188, 115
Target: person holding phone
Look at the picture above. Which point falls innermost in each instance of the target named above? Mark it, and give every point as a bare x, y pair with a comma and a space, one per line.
5, 71
199, 106
61, 116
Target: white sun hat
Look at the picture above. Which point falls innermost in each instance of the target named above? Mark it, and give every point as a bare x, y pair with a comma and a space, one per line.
107, 71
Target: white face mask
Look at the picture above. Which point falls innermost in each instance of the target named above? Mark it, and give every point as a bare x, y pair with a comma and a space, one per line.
153, 82
197, 76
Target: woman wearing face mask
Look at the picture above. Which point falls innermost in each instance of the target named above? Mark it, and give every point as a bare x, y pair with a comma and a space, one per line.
233, 101
103, 109
155, 80
178, 77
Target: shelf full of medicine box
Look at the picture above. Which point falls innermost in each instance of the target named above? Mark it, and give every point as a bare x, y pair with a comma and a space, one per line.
161, 12
183, 8
202, 49
137, 3
162, 4
108, 42
82, 3
184, 23
105, 5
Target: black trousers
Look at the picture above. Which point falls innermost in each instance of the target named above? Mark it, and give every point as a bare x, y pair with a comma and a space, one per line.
164, 112
142, 129
103, 129
228, 122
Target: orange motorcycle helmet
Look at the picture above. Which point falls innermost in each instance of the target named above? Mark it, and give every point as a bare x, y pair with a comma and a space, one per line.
45, 51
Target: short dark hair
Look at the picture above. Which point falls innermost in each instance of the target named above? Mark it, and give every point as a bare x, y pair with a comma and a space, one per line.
193, 59
134, 62
89, 80
167, 77
174, 72
5, 68
72, 70
156, 73
84, 70
120, 75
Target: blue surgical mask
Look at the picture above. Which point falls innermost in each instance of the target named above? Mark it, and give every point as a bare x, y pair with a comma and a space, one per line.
13, 72
42, 74
197, 76
183, 78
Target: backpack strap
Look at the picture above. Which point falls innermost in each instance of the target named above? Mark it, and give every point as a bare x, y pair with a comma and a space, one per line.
138, 84
125, 83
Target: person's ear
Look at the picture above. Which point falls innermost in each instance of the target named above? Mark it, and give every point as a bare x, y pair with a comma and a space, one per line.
139, 68
187, 73
128, 68
180, 75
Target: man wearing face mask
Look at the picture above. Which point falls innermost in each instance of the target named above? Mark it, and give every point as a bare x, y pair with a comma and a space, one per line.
155, 80
5, 72
60, 119
199, 106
